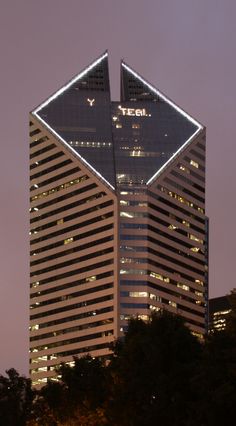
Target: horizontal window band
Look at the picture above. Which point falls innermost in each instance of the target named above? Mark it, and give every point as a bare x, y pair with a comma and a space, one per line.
75, 215
44, 161
67, 196
43, 150
76, 317
70, 296
75, 238
77, 271
71, 307
72, 228
73, 250
69, 206
165, 288
72, 261
57, 177
188, 181
70, 285
75, 340
72, 329
38, 141
183, 189
35, 132
176, 207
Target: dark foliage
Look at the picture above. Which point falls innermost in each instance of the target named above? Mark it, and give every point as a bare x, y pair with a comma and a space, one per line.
159, 374
16, 398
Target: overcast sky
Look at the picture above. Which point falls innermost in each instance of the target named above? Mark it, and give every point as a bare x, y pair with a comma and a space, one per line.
186, 48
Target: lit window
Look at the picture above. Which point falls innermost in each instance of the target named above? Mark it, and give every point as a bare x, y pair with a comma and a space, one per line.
71, 363
183, 286
194, 164
143, 317
126, 260
200, 210
199, 282
138, 294
126, 214
184, 169
124, 203
34, 327
193, 237
60, 221
42, 369
154, 308
153, 296
172, 227
199, 293
195, 249
68, 240
173, 304
222, 312
91, 278
135, 126
119, 126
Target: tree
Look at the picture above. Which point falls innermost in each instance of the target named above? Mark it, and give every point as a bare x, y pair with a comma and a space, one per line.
152, 371
77, 399
159, 373
16, 398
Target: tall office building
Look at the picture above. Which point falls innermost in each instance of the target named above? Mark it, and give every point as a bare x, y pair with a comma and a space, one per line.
118, 227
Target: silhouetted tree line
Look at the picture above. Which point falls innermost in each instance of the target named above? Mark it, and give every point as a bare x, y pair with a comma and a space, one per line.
160, 374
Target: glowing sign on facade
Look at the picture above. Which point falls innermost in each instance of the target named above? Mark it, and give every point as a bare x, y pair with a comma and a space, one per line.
134, 112
91, 101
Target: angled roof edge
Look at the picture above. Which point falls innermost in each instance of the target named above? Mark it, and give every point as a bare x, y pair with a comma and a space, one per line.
58, 93
70, 82
162, 96
199, 126
174, 156
99, 176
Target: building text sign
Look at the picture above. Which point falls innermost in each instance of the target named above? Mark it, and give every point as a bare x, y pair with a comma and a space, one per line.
135, 112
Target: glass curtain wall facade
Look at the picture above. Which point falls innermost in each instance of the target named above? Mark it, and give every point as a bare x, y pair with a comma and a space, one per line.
118, 226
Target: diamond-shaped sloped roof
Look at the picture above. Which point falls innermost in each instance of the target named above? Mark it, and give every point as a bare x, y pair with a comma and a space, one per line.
81, 115
164, 129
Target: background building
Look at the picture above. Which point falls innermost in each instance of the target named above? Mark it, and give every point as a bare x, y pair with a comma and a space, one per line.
219, 308
118, 225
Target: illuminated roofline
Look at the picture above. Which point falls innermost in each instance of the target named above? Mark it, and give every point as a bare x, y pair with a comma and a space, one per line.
162, 96
58, 93
177, 108
159, 171
73, 150
70, 83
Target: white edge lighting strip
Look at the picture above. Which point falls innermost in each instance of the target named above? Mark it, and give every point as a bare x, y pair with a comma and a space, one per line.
69, 84
58, 93
177, 108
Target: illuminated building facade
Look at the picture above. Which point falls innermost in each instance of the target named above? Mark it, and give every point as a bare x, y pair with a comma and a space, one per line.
219, 309
118, 226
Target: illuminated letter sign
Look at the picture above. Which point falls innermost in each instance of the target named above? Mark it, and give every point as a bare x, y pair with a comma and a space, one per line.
91, 101
134, 112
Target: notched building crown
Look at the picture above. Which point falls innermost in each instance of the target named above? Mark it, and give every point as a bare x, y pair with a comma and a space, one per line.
134, 139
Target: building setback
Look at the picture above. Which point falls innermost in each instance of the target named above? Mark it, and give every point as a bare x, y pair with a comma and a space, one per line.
118, 225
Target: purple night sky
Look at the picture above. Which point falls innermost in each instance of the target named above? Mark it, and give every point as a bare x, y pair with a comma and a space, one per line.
184, 48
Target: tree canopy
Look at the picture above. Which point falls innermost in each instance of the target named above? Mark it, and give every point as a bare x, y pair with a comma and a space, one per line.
159, 373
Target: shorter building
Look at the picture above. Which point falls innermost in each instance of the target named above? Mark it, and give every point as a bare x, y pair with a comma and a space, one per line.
219, 308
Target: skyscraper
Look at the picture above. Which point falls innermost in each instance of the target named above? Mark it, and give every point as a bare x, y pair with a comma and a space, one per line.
118, 226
